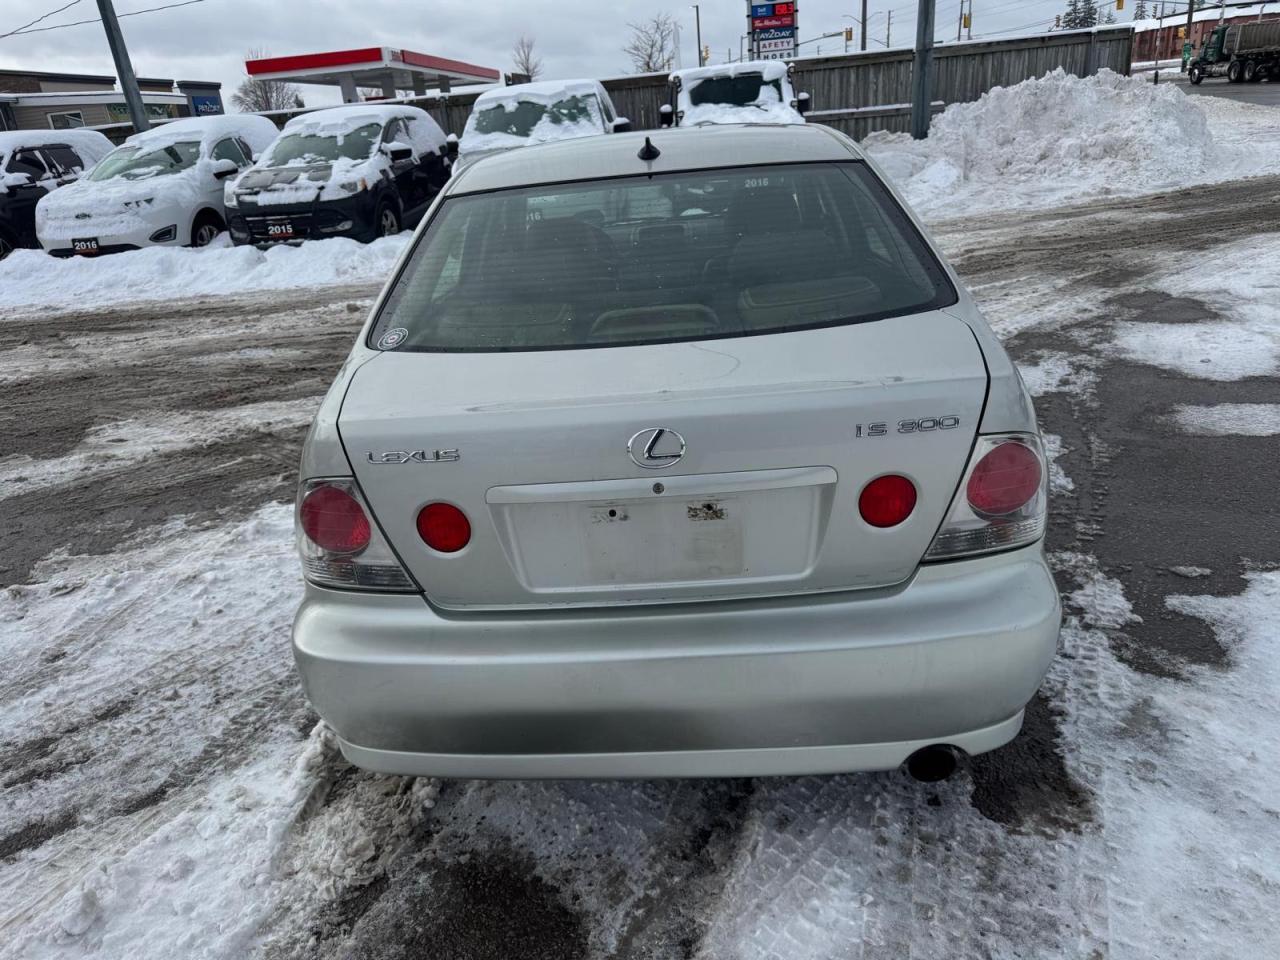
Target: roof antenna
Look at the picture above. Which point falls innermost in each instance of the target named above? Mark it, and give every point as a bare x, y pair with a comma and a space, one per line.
649, 151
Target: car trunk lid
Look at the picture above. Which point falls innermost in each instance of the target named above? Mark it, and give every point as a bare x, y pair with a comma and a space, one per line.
750, 489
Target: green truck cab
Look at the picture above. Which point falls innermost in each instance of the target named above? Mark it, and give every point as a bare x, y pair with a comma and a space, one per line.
1242, 52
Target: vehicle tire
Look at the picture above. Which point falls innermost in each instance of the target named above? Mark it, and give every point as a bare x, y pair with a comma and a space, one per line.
7, 246
1197, 75
387, 221
1235, 71
207, 226
1251, 72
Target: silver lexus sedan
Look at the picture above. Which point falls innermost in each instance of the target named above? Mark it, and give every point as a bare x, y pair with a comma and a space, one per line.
679, 454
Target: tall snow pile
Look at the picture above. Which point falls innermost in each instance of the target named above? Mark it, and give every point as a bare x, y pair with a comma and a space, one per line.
1049, 140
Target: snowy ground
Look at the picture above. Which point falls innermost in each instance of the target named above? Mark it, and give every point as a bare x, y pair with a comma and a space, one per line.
167, 793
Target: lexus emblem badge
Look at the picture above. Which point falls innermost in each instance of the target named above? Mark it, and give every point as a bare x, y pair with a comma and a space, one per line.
655, 448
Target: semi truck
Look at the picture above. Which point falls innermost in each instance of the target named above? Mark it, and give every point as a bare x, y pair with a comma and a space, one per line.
1242, 52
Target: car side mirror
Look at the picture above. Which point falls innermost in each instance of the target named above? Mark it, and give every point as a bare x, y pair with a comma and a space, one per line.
666, 115
224, 168
398, 151
11, 181
451, 146
803, 103
622, 125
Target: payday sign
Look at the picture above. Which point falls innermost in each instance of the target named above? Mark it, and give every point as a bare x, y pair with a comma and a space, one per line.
778, 33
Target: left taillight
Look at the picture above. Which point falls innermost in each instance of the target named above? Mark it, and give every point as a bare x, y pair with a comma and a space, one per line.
338, 541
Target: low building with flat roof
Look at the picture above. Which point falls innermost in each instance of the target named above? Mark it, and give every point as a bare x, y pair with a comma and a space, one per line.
35, 99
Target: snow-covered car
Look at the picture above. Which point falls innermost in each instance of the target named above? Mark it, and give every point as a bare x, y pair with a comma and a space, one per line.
505, 118
362, 170
755, 91
617, 487
163, 187
34, 163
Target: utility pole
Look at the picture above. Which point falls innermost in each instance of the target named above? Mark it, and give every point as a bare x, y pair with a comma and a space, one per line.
1191, 11
697, 20
864, 24
922, 70
888, 31
124, 69
968, 31
960, 24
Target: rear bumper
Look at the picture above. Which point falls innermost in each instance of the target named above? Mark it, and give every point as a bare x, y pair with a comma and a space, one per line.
802, 685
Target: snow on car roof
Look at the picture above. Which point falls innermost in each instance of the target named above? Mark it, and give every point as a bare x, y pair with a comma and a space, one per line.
769, 69
254, 130
92, 145
682, 148
352, 115
543, 91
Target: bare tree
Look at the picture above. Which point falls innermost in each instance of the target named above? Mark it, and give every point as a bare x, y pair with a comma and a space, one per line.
652, 46
523, 58
255, 95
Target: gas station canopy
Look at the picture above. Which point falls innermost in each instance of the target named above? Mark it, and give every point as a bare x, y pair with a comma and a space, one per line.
390, 70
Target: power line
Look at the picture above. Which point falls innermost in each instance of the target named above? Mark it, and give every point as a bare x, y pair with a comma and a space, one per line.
38, 19
76, 23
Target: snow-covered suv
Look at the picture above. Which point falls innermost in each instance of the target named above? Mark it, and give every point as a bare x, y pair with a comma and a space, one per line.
529, 113
755, 91
364, 170
162, 187
615, 485
34, 163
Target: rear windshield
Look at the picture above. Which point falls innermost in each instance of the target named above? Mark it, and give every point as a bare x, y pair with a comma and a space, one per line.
740, 90
685, 256
521, 117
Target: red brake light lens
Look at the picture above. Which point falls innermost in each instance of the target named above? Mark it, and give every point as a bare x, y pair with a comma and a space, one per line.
334, 521
1004, 480
887, 501
444, 527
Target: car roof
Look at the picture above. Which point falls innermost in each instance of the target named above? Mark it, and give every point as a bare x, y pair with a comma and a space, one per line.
257, 131
355, 114
768, 69
11, 140
682, 148
539, 90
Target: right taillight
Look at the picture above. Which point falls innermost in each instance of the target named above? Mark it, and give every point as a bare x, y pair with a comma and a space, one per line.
1001, 502
339, 543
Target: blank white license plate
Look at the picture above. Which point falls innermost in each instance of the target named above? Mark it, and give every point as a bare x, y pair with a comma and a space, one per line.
88, 246
659, 541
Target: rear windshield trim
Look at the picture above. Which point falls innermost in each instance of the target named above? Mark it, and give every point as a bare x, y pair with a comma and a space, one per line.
947, 296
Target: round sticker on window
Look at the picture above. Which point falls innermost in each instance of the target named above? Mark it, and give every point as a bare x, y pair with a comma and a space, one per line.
392, 338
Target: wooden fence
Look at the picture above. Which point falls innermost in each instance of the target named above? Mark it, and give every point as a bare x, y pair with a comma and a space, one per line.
861, 92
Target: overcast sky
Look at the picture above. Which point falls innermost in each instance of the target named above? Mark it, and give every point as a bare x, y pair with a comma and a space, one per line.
207, 40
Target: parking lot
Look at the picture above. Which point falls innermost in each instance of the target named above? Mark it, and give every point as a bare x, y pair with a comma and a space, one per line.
170, 787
